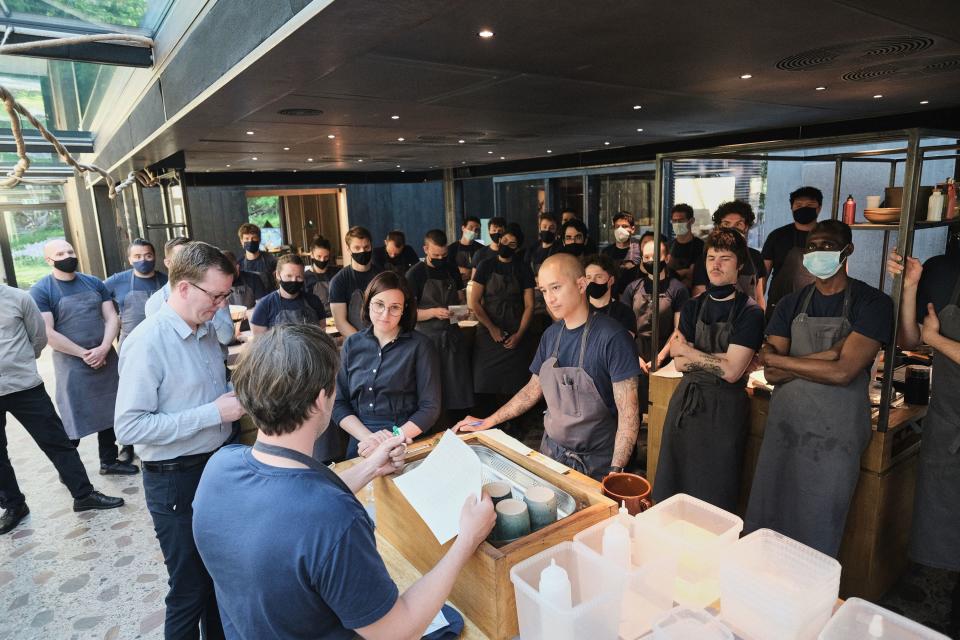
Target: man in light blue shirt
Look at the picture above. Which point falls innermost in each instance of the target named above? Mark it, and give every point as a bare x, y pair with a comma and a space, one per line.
174, 406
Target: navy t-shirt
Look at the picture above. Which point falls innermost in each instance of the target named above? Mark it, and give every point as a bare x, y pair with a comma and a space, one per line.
610, 355
747, 319
515, 269
264, 264
871, 310
939, 278
619, 312
269, 307
349, 280
291, 552
47, 291
120, 284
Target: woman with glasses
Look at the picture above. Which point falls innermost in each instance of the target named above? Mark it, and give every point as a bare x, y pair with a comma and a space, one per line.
389, 373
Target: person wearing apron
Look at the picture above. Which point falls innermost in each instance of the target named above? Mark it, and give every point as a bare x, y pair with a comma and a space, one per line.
348, 286
819, 351
320, 271
784, 248
254, 260
547, 244
81, 324
389, 372
132, 288
625, 251
705, 430
930, 313
395, 254
436, 285
289, 304
586, 369
752, 281
601, 278
502, 299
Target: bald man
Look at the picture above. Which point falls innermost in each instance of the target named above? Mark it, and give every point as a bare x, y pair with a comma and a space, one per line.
586, 368
81, 324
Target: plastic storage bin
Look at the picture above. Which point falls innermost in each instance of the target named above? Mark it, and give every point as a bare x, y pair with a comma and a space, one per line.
858, 619
645, 585
681, 623
694, 534
775, 587
595, 598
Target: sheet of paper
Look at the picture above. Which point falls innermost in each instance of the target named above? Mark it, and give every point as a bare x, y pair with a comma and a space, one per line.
439, 486
550, 463
669, 370
508, 441
438, 623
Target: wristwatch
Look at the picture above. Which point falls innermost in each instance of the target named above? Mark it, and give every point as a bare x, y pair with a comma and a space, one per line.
614, 469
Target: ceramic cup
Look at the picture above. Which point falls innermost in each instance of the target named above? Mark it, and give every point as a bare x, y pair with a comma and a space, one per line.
629, 489
542, 505
873, 202
497, 491
513, 519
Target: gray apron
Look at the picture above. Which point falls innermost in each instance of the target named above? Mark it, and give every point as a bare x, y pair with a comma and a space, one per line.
816, 433
355, 306
319, 285
132, 313
747, 280
790, 277
241, 294
935, 539
643, 309
85, 396
578, 428
497, 369
455, 368
705, 431
304, 315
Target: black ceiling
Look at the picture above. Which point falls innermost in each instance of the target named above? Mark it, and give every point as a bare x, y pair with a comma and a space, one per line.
564, 76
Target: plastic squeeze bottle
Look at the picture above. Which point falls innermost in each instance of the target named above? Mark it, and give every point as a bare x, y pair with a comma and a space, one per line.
555, 589
616, 541
935, 206
849, 210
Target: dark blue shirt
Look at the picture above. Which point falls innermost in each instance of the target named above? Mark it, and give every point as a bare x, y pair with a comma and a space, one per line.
291, 551
389, 386
269, 307
939, 278
747, 319
610, 356
120, 284
348, 280
264, 264
47, 291
871, 310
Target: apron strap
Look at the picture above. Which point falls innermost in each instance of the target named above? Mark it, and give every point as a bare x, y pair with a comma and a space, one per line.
583, 338
302, 458
807, 298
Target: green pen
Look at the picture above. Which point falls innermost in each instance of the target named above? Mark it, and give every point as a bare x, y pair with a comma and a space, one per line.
397, 431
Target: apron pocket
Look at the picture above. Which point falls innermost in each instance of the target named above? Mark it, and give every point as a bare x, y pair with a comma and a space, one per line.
569, 398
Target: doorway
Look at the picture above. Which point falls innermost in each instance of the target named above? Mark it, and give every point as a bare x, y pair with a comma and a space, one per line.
30, 216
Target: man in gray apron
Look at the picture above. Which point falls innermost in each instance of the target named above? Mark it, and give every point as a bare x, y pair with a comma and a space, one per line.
705, 430
81, 324
820, 348
289, 304
586, 369
437, 286
784, 247
132, 288
931, 296
320, 271
247, 286
347, 287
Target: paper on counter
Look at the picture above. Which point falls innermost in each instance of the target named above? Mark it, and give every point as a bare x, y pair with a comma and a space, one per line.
499, 436
550, 463
669, 370
439, 486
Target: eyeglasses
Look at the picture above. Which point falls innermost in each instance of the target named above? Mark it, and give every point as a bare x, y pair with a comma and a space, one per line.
378, 308
577, 238
215, 298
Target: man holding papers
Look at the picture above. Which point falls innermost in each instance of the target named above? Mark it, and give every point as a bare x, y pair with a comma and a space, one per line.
290, 549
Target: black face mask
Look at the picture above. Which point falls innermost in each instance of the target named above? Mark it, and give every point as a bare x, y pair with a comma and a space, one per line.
805, 215
574, 248
67, 265
548, 237
721, 291
253, 246
648, 267
506, 251
438, 263
293, 287
495, 238
320, 264
597, 290
362, 258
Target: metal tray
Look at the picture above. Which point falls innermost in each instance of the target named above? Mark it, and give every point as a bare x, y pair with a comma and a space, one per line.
497, 468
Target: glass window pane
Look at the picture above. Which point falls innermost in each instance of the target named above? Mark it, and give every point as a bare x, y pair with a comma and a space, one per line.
140, 16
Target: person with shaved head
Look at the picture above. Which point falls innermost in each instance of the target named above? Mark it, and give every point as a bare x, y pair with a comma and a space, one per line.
81, 324
586, 369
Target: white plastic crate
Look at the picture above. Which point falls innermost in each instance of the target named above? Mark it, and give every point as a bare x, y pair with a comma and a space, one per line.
595, 598
775, 587
694, 534
681, 623
858, 619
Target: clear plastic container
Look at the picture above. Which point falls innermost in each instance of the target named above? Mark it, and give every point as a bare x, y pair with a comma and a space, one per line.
681, 623
645, 585
594, 613
692, 533
858, 619
775, 587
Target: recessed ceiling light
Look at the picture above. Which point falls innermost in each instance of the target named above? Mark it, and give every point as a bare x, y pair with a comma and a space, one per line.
502, 158
359, 159
924, 102
394, 117
549, 150
254, 158
400, 139
821, 88
294, 170
746, 76
403, 170
398, 166
331, 136
207, 170
286, 148
606, 143
309, 159
463, 162
879, 95
490, 152
249, 133
639, 130
637, 106
461, 141
228, 166
485, 33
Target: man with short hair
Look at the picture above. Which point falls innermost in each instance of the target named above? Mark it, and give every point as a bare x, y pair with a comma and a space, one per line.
347, 287
132, 288
395, 254
586, 369
22, 338
175, 407
496, 226
460, 252
624, 251
320, 272
783, 250
547, 242
247, 286
291, 550
737, 215
567, 214
81, 324
289, 304
686, 249
574, 236
253, 259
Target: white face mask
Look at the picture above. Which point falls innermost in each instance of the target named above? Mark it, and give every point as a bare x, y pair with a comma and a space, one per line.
621, 234
470, 235
680, 228
823, 264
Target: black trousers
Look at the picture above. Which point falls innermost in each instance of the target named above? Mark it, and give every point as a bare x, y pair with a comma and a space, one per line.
107, 445
34, 410
191, 602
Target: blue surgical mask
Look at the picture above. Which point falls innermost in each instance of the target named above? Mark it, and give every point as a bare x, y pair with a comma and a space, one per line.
823, 264
144, 266
470, 235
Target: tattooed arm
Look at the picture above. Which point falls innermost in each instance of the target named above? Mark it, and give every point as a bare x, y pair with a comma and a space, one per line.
519, 404
730, 365
628, 420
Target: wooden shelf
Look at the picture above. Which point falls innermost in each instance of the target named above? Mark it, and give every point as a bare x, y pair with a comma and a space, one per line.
872, 226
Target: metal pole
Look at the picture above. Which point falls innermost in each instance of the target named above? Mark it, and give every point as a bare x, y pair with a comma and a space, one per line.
664, 172
450, 204
837, 174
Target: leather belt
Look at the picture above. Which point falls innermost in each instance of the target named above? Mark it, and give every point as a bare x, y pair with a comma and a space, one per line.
182, 463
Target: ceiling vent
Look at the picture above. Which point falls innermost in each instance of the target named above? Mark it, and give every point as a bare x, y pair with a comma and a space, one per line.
905, 69
302, 113
855, 52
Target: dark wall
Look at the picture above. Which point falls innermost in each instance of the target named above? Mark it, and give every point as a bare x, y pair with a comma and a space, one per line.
477, 197
412, 208
216, 213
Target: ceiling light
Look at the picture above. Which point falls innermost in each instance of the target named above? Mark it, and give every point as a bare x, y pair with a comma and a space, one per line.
639, 130
549, 150
461, 141
359, 159
637, 106
490, 152
309, 159
400, 139
485, 33
403, 170
606, 143
394, 117
746, 76
502, 158
821, 88
294, 170
924, 102
463, 162
249, 133
879, 95
331, 136
228, 166
398, 166
254, 158
286, 148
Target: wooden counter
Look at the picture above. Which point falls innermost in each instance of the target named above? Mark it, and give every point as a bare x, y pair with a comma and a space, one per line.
874, 548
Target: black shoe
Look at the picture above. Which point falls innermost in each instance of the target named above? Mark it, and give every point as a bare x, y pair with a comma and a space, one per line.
12, 517
96, 500
126, 454
118, 469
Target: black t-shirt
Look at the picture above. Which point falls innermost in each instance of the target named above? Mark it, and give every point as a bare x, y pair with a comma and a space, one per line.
939, 278
537, 254
619, 312
779, 243
871, 310
700, 269
747, 318
349, 280
419, 273
462, 256
482, 254
686, 255
616, 254
514, 269
401, 264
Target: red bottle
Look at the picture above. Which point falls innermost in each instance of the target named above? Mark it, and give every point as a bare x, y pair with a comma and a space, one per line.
849, 210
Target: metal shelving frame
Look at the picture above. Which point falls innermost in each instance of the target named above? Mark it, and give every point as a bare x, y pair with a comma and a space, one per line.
906, 146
